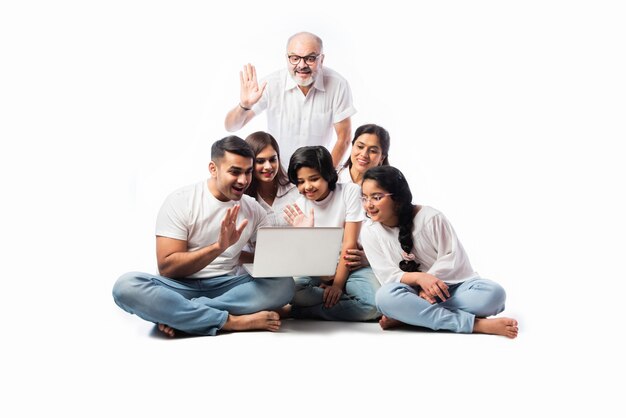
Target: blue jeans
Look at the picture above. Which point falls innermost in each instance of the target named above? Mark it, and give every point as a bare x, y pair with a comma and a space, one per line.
356, 304
199, 306
469, 299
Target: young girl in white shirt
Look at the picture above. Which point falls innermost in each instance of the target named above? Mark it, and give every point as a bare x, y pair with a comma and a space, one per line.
347, 295
427, 279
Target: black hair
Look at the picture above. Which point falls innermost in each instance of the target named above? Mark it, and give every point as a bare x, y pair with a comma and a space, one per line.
391, 180
315, 157
382, 135
258, 141
232, 144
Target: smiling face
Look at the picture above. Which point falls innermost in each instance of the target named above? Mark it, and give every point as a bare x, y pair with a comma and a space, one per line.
230, 176
266, 165
378, 205
303, 73
366, 153
311, 184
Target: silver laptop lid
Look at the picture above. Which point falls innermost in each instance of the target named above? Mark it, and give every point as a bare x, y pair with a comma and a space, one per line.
282, 252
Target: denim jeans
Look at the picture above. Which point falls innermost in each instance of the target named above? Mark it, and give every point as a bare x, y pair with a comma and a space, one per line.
199, 306
472, 298
356, 304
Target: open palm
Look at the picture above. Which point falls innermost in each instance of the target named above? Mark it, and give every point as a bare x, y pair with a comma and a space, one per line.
250, 92
295, 217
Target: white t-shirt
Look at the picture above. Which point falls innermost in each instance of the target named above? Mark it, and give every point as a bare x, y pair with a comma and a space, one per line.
341, 205
193, 214
435, 246
286, 195
343, 173
296, 120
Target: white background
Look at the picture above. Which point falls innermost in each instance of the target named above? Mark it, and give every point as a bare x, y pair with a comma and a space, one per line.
506, 116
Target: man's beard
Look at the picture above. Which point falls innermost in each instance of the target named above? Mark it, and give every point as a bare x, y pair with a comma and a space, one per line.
303, 83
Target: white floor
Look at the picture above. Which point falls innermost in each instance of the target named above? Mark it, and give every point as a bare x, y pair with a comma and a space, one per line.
118, 365
507, 116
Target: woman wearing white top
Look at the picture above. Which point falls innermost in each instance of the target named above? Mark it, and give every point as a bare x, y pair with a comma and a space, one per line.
427, 279
370, 148
348, 295
270, 185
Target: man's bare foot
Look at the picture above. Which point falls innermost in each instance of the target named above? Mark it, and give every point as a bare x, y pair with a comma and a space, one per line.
284, 312
264, 320
388, 323
497, 326
169, 331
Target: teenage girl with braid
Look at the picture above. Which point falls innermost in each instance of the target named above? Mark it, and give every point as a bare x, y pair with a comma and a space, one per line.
427, 279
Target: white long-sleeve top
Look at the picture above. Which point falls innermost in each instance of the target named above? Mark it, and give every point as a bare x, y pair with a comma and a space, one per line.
435, 246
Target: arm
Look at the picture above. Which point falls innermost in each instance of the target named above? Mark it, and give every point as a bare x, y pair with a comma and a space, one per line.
175, 261
249, 94
356, 258
237, 118
350, 236
246, 257
343, 130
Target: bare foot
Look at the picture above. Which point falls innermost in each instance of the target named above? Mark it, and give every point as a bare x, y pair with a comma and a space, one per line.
388, 323
284, 312
169, 331
264, 320
497, 326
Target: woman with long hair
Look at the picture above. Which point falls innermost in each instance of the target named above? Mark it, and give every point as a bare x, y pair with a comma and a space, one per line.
426, 276
270, 185
370, 148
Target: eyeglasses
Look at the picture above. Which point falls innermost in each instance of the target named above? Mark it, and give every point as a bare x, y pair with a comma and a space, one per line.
375, 198
309, 59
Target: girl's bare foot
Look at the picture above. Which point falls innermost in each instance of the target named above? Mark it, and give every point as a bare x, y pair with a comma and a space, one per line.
169, 331
388, 323
497, 326
264, 320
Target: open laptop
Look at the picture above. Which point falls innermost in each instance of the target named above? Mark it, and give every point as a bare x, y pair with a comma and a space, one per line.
283, 252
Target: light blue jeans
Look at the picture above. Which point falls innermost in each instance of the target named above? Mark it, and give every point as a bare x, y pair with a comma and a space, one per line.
472, 298
356, 304
199, 306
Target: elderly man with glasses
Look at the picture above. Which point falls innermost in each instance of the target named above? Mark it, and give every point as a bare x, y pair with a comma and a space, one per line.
304, 102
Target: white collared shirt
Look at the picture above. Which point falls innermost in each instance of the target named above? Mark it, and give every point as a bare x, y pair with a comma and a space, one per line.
296, 120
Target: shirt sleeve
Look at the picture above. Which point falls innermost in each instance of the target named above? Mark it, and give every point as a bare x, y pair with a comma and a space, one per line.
352, 198
173, 218
450, 254
261, 220
385, 270
342, 102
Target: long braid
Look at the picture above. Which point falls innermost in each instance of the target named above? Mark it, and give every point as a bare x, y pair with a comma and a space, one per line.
405, 236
